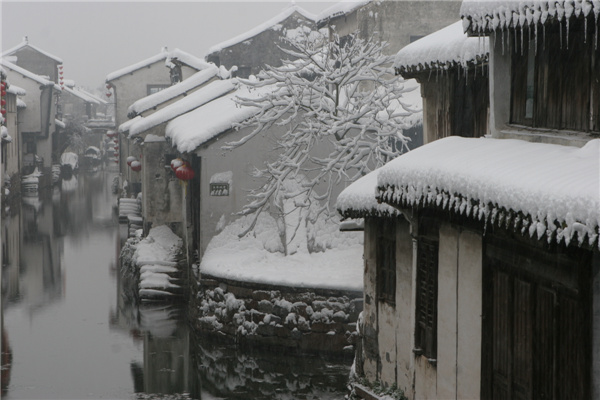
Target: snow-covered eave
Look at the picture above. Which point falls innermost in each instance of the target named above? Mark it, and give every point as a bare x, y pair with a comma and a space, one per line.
481, 17
172, 92
17, 91
507, 183
340, 9
27, 44
443, 50
285, 14
81, 95
137, 66
28, 74
60, 123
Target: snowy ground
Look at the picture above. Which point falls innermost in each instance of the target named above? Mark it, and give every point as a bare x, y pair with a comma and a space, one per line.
256, 258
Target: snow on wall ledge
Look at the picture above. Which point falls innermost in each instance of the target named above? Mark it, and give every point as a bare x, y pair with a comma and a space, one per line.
483, 16
443, 49
535, 188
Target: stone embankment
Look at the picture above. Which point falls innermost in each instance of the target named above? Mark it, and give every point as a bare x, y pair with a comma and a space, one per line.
308, 320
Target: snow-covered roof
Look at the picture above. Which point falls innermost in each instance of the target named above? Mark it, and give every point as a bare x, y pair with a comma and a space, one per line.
537, 189
21, 103
153, 100
25, 43
200, 97
166, 55
272, 23
442, 50
201, 125
37, 78
83, 95
483, 16
124, 127
343, 7
358, 200
17, 91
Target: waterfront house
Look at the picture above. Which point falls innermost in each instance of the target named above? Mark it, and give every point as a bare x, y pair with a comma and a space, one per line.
486, 284
35, 60
136, 81
11, 151
37, 121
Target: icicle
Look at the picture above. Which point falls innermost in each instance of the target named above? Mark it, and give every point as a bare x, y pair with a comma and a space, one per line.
502, 33
535, 34
561, 35
567, 23
585, 30
544, 37
522, 34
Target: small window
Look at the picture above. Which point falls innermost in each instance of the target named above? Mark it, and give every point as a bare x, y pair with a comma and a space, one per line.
151, 89
386, 260
219, 189
427, 290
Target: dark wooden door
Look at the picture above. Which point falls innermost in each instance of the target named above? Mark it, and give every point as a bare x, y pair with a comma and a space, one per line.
537, 324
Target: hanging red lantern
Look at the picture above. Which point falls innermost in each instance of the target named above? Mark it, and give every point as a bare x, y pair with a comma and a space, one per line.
136, 166
111, 134
2, 102
185, 173
116, 147
3, 92
3, 111
108, 86
116, 161
3, 85
108, 94
130, 159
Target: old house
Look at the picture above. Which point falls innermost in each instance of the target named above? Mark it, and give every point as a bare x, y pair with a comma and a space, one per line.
481, 263
162, 194
251, 51
37, 120
452, 70
11, 152
35, 60
129, 84
77, 104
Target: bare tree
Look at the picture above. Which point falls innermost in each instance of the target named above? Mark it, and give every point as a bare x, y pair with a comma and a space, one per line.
343, 114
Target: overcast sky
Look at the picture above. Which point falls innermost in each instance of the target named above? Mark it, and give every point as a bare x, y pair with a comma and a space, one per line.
96, 38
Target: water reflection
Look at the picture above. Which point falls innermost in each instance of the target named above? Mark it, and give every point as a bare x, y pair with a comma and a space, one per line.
72, 326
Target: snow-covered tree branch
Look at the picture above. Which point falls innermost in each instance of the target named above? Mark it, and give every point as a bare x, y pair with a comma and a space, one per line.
342, 112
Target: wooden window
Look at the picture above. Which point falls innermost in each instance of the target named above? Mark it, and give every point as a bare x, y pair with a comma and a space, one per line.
386, 260
427, 290
553, 85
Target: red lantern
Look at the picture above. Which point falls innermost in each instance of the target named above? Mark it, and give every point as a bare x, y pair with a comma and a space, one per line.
130, 159
3, 111
136, 166
185, 173
116, 147
3, 92
116, 154
111, 134
3, 85
108, 94
116, 161
108, 86
2, 102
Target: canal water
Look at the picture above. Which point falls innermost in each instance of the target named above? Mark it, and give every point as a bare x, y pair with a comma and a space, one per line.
71, 330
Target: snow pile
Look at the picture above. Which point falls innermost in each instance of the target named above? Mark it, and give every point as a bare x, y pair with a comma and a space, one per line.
156, 257
197, 127
539, 189
257, 257
16, 90
198, 98
273, 23
442, 50
482, 16
181, 88
358, 200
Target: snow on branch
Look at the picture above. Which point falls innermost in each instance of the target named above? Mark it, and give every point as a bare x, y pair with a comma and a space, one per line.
342, 113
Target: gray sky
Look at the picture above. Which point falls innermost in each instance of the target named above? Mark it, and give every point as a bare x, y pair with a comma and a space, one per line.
96, 38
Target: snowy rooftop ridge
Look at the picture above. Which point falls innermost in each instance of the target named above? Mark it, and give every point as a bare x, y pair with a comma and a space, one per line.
153, 100
358, 200
506, 182
203, 124
25, 43
343, 7
270, 24
166, 55
37, 78
198, 98
484, 16
442, 50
